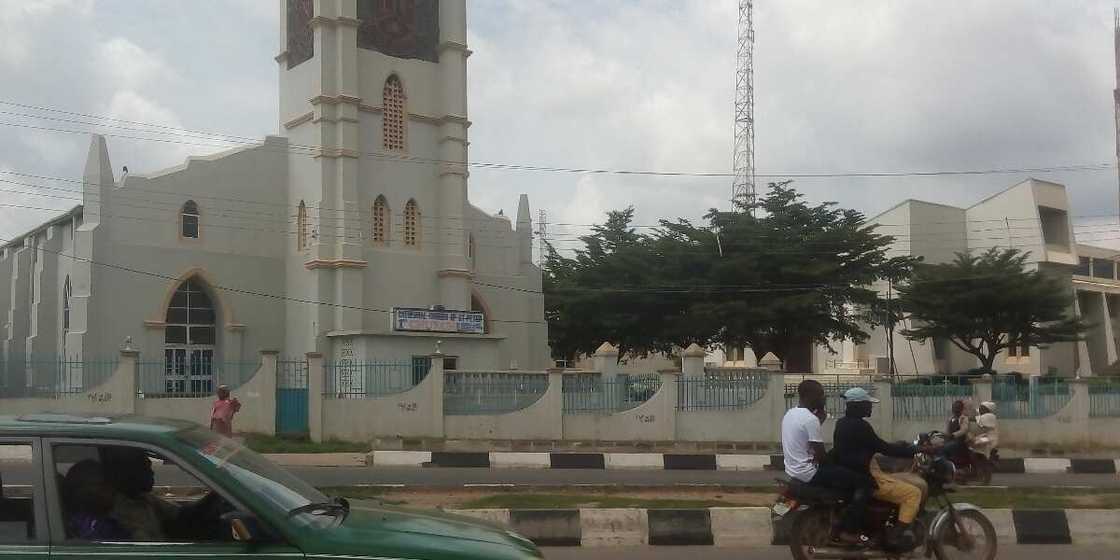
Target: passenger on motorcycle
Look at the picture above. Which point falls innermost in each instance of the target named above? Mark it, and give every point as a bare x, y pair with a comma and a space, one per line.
855, 444
986, 437
805, 460
956, 436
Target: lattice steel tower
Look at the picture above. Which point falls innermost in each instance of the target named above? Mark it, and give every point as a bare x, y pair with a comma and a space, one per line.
1116, 91
743, 188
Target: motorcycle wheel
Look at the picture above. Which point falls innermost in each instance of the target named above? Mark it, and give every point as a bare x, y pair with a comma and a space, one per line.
948, 544
811, 529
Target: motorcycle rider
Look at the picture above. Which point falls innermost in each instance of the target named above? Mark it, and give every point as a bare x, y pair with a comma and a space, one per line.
987, 437
805, 460
956, 435
855, 445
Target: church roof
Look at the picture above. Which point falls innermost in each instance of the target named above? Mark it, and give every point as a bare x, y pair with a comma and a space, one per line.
67, 215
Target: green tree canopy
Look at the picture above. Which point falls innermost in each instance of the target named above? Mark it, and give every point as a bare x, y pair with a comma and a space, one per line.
984, 304
774, 274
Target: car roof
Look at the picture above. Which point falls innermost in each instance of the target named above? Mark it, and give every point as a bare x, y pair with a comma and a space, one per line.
90, 425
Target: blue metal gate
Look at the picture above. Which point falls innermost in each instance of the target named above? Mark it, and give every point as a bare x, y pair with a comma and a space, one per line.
291, 398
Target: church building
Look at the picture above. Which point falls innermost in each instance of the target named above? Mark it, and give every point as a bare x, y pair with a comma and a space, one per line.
349, 233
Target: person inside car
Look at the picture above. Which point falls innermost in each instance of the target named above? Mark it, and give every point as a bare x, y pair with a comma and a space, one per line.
855, 445
804, 455
89, 504
142, 513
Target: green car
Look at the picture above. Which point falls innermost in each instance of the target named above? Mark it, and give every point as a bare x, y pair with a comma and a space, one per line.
127, 487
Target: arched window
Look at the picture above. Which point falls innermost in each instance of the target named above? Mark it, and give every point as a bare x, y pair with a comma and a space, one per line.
301, 227
393, 114
189, 220
411, 223
189, 340
380, 232
66, 293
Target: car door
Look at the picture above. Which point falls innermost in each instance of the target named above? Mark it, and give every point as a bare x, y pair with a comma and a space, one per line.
172, 479
23, 517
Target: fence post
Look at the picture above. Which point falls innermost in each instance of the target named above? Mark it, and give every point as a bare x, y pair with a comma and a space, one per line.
264, 398
555, 391
669, 404
315, 386
692, 361
1079, 411
883, 419
127, 374
776, 394
770, 362
983, 391
605, 361
436, 373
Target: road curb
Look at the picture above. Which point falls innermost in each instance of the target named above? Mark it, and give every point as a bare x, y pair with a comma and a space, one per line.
754, 526
665, 461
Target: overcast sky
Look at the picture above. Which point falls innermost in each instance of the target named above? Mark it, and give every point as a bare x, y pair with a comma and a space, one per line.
874, 85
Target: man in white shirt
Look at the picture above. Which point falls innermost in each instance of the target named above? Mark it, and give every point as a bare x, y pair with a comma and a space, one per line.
804, 454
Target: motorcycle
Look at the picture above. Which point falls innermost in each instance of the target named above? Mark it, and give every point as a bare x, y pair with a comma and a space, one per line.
971, 465
954, 530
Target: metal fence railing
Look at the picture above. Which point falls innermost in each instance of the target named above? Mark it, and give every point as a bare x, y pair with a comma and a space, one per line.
176, 380
834, 391
52, 376
928, 398
1104, 397
473, 393
361, 380
588, 393
1021, 399
722, 389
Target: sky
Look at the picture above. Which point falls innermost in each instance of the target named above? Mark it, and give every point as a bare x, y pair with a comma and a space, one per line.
851, 86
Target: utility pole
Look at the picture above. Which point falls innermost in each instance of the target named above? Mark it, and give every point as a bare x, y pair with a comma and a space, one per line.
743, 187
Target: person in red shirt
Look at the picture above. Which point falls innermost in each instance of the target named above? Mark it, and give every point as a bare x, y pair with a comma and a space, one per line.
221, 416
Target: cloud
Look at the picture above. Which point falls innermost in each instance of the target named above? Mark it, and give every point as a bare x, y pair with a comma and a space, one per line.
130, 66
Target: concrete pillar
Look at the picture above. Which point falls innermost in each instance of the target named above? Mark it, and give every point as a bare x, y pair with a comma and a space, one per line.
1078, 413
605, 361
126, 376
1084, 367
264, 394
982, 389
315, 386
1106, 322
770, 362
692, 361
669, 404
883, 417
436, 376
776, 400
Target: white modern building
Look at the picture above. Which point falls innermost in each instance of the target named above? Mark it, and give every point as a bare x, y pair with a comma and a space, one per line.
349, 233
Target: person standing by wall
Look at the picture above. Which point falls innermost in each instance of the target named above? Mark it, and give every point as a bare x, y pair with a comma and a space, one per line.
221, 415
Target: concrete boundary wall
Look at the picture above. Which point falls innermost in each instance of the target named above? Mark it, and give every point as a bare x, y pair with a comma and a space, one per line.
417, 412
761, 421
116, 396
540, 420
653, 420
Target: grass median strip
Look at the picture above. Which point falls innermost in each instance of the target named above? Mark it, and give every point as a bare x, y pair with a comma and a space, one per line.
694, 497
274, 444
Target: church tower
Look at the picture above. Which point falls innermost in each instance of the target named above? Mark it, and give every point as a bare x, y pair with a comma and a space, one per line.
373, 101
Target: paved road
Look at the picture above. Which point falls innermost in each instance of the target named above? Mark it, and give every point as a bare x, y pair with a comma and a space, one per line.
452, 477
779, 553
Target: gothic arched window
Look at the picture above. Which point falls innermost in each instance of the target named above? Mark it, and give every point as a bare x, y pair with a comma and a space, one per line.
393, 115
66, 293
411, 223
188, 220
189, 340
380, 221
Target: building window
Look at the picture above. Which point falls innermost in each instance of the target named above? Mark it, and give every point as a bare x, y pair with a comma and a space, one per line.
301, 227
1083, 267
411, 223
189, 341
189, 220
66, 293
1104, 268
470, 246
393, 115
380, 219
1016, 350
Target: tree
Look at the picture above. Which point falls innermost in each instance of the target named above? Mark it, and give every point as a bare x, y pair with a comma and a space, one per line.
776, 275
988, 303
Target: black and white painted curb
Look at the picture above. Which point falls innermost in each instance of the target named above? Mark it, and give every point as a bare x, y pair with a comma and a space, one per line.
666, 461
751, 527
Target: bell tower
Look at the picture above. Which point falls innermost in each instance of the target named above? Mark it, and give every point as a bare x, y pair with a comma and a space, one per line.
373, 100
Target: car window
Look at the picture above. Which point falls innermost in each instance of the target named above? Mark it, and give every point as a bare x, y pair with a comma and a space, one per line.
278, 487
17, 494
118, 493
